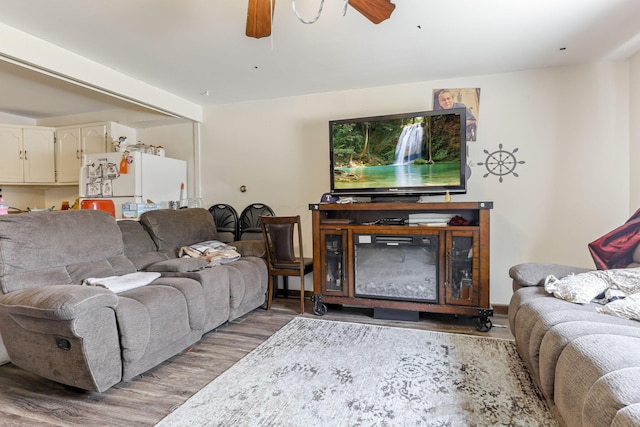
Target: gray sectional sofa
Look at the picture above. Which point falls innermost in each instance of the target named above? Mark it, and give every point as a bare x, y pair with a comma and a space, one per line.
586, 364
92, 338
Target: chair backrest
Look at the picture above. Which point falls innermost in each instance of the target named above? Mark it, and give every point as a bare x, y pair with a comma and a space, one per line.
227, 222
279, 234
250, 220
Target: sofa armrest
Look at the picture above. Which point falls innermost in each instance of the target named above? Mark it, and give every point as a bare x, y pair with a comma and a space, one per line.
534, 274
178, 265
58, 302
254, 248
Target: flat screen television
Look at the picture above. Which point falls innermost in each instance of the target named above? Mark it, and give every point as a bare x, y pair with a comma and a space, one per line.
409, 154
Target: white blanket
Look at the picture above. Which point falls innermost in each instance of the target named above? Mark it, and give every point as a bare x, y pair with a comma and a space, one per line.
123, 283
617, 289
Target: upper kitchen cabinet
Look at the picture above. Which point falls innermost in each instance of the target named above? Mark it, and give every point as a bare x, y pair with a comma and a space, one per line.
72, 142
28, 154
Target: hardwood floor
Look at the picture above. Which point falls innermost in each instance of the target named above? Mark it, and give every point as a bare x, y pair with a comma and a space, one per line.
28, 400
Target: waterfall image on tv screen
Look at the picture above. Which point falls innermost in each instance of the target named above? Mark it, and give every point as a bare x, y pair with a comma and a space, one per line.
407, 153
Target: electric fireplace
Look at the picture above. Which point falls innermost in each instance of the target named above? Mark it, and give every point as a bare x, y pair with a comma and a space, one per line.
396, 267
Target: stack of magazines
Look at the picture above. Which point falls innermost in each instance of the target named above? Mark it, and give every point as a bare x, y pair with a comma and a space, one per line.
431, 219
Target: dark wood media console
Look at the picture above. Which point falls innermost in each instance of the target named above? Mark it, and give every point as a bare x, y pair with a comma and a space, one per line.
403, 256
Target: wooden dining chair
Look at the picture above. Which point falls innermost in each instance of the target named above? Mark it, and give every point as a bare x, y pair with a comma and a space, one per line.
279, 234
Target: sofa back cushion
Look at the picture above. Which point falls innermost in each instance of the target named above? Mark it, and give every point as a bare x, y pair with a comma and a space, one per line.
59, 247
171, 229
139, 247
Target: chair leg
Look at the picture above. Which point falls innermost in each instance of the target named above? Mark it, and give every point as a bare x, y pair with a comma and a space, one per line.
302, 295
270, 292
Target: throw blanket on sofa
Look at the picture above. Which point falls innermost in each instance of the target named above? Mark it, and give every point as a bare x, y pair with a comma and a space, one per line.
214, 251
122, 283
617, 289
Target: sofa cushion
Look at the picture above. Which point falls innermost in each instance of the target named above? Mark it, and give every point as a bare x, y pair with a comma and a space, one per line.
159, 320
139, 247
56, 239
178, 265
530, 313
135, 238
535, 273
253, 248
608, 374
171, 229
559, 336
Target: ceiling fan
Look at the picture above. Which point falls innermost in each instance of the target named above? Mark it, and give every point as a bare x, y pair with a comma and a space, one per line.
260, 12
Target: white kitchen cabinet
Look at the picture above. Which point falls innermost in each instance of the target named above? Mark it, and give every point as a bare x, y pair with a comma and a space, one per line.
72, 142
28, 154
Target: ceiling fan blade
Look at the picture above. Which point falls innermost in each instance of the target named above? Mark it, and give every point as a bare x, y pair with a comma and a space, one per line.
375, 11
259, 14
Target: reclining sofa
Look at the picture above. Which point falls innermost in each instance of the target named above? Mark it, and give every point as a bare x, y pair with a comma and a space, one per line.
585, 363
55, 325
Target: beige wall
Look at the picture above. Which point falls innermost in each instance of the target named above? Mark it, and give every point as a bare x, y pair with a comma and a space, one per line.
634, 132
570, 125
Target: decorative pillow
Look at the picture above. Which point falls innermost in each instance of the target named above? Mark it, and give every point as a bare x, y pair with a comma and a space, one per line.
627, 308
577, 288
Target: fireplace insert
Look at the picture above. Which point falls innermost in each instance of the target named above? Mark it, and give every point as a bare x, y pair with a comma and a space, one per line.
396, 267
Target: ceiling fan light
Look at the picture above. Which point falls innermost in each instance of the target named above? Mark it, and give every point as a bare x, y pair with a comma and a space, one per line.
301, 19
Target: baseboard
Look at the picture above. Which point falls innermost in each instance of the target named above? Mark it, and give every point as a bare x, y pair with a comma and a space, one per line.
500, 309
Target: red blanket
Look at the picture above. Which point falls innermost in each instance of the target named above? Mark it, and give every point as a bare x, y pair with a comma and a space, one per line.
615, 249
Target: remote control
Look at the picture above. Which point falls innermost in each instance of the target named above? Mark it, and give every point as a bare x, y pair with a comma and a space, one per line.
391, 221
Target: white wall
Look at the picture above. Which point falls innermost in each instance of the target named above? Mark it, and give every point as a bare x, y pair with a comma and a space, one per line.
570, 125
634, 132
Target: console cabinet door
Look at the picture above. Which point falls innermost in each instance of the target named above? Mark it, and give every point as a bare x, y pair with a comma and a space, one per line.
462, 268
333, 252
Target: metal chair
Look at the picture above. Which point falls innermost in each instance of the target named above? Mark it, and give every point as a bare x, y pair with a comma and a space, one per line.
250, 221
227, 222
279, 236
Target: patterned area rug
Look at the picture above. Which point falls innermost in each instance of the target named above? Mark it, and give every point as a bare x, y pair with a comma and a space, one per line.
324, 373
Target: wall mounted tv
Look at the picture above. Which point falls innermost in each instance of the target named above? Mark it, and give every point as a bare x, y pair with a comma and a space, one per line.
410, 154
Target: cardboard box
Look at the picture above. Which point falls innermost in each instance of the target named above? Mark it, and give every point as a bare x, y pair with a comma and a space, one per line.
134, 210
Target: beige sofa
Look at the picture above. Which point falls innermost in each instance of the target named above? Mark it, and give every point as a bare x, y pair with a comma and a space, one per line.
90, 337
586, 364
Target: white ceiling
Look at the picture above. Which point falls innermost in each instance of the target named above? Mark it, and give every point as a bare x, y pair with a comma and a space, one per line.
189, 47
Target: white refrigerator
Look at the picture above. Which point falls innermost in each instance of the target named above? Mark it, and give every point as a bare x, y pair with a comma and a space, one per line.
145, 178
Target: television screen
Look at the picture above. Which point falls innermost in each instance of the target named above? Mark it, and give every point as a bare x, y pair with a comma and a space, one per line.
403, 154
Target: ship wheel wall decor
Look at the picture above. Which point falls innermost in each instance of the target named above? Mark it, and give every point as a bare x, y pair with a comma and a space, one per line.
501, 163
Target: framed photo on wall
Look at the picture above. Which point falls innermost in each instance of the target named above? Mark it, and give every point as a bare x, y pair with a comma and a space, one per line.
444, 99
